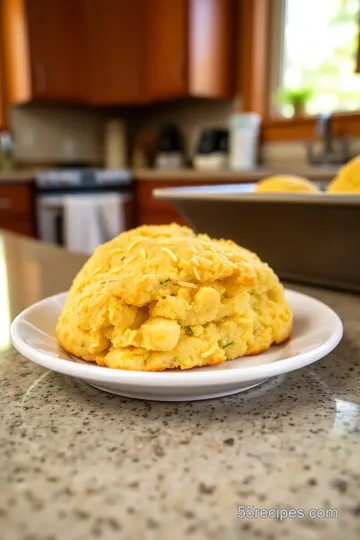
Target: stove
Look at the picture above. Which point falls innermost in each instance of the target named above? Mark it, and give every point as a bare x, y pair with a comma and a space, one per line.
54, 185
81, 179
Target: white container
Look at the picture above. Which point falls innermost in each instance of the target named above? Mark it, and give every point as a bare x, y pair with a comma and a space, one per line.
115, 144
243, 141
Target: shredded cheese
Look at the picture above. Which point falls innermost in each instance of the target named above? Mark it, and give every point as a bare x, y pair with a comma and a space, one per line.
170, 253
169, 240
114, 271
209, 351
115, 251
196, 261
86, 295
143, 253
187, 284
196, 273
128, 261
134, 243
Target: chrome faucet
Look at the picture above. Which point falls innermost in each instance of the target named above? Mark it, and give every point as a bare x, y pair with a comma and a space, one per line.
327, 154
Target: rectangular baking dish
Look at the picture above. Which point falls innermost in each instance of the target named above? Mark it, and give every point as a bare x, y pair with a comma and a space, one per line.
309, 238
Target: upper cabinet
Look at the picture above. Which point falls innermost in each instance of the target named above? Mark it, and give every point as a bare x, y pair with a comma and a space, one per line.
115, 45
166, 52
114, 52
3, 107
212, 46
189, 48
44, 53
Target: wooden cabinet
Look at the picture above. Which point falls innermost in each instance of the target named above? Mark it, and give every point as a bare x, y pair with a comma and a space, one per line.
151, 50
189, 48
166, 27
17, 208
44, 50
115, 50
3, 105
150, 211
212, 46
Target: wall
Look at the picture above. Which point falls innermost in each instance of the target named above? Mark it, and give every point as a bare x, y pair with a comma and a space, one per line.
49, 134
295, 153
284, 153
54, 134
45, 134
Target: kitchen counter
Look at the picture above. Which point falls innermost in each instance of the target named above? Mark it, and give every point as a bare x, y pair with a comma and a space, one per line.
77, 463
16, 177
314, 173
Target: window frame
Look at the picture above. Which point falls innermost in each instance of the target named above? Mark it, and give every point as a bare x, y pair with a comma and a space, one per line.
258, 79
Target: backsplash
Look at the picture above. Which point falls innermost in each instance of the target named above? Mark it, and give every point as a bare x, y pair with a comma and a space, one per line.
191, 116
50, 134
57, 134
54, 134
294, 153
283, 153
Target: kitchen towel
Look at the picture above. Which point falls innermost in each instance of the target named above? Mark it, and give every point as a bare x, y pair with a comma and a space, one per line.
91, 220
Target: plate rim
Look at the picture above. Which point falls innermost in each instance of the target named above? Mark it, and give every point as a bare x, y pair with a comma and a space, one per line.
187, 378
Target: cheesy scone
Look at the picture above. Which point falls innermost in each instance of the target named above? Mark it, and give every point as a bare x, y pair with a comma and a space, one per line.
162, 297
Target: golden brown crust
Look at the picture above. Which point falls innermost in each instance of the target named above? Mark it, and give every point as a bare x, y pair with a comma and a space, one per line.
161, 297
285, 183
347, 179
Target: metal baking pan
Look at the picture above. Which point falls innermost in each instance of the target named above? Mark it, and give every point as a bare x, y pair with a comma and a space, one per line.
306, 237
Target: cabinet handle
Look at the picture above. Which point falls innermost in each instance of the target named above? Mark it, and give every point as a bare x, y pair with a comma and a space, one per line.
5, 203
40, 77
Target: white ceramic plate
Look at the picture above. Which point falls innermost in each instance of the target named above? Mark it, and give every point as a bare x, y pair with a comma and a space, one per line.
317, 331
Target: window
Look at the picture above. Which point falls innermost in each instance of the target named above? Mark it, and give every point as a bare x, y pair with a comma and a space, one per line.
314, 51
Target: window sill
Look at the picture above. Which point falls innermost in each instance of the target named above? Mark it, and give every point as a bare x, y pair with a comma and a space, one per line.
304, 129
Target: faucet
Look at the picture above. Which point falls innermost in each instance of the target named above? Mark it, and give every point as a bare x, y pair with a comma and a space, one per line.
327, 154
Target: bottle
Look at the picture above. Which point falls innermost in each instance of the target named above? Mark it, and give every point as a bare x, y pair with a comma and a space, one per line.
244, 140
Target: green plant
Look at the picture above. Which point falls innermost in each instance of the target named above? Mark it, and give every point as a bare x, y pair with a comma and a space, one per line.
295, 96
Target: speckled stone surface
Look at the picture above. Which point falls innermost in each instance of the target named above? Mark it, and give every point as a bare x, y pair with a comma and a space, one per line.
76, 463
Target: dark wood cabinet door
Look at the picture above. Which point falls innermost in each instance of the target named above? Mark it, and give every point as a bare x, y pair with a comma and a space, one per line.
56, 49
117, 52
212, 48
115, 41
166, 31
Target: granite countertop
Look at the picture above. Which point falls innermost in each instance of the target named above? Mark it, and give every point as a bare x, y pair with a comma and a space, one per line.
77, 463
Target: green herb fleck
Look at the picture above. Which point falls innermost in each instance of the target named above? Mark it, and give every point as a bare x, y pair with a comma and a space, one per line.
227, 344
122, 258
165, 281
